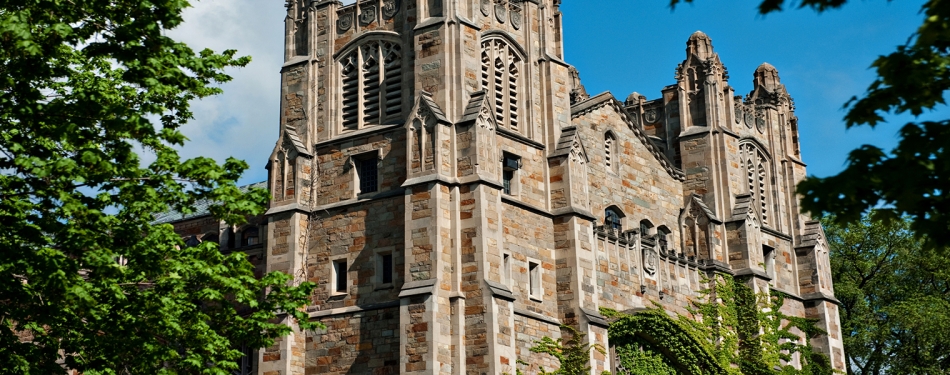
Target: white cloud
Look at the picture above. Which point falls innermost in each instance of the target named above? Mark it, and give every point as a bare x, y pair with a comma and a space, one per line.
242, 122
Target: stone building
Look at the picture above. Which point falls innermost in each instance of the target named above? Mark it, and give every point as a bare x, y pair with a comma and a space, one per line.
444, 177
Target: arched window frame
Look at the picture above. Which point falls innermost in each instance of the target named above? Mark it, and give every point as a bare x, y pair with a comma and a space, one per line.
613, 219
502, 77
757, 165
370, 81
664, 238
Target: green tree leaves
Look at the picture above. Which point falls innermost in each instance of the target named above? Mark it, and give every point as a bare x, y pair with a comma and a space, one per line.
85, 278
895, 297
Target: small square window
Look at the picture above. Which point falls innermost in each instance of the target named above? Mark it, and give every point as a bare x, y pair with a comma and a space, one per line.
385, 267
367, 174
339, 276
534, 280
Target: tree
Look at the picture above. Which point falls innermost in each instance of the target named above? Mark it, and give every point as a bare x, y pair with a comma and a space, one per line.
86, 281
895, 297
914, 178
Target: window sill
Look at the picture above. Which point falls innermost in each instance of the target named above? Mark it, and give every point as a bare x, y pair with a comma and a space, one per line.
384, 287
535, 298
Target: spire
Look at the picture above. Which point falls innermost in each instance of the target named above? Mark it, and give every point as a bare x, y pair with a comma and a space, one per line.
699, 45
766, 76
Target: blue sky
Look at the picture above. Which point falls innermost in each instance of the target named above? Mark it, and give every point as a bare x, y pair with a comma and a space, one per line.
618, 45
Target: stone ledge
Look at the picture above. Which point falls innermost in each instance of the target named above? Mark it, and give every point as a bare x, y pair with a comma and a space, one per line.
500, 290
417, 287
752, 272
536, 316
340, 138
594, 318
353, 309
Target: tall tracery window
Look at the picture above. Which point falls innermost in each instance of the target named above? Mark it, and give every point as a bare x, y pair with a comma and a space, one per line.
759, 180
371, 84
501, 69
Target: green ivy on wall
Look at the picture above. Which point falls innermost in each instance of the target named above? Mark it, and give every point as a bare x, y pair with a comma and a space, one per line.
730, 330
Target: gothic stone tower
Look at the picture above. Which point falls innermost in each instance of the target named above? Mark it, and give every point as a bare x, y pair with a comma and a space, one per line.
444, 178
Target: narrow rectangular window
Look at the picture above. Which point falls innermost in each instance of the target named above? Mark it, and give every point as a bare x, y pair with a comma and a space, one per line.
768, 256
510, 165
534, 279
367, 173
506, 269
339, 276
386, 273
508, 176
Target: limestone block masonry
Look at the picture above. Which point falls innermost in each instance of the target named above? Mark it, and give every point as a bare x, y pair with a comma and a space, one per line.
445, 179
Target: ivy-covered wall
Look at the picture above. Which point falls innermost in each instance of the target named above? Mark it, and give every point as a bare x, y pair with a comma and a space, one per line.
729, 330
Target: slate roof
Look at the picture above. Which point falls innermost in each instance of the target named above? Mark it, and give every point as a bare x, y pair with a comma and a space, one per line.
566, 142
743, 202
201, 207
295, 139
698, 200
473, 107
436, 110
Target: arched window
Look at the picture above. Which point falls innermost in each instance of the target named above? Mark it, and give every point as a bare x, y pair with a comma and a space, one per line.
249, 236
663, 235
371, 84
646, 228
501, 69
612, 219
610, 152
759, 180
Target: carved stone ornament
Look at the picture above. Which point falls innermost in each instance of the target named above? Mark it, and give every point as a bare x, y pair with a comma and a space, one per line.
649, 261
516, 17
485, 6
749, 118
345, 22
501, 12
368, 15
651, 116
738, 115
390, 8
760, 121
484, 117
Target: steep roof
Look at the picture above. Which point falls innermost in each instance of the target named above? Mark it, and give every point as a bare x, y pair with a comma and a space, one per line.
607, 99
202, 207
473, 107
566, 143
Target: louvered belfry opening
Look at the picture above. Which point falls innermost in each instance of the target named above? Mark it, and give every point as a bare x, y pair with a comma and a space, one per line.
501, 69
758, 179
371, 85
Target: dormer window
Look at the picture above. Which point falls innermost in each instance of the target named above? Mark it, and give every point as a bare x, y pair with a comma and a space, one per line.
501, 80
371, 85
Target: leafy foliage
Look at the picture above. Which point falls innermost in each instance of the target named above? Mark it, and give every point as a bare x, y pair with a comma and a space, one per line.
895, 297
731, 331
913, 179
572, 354
83, 85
